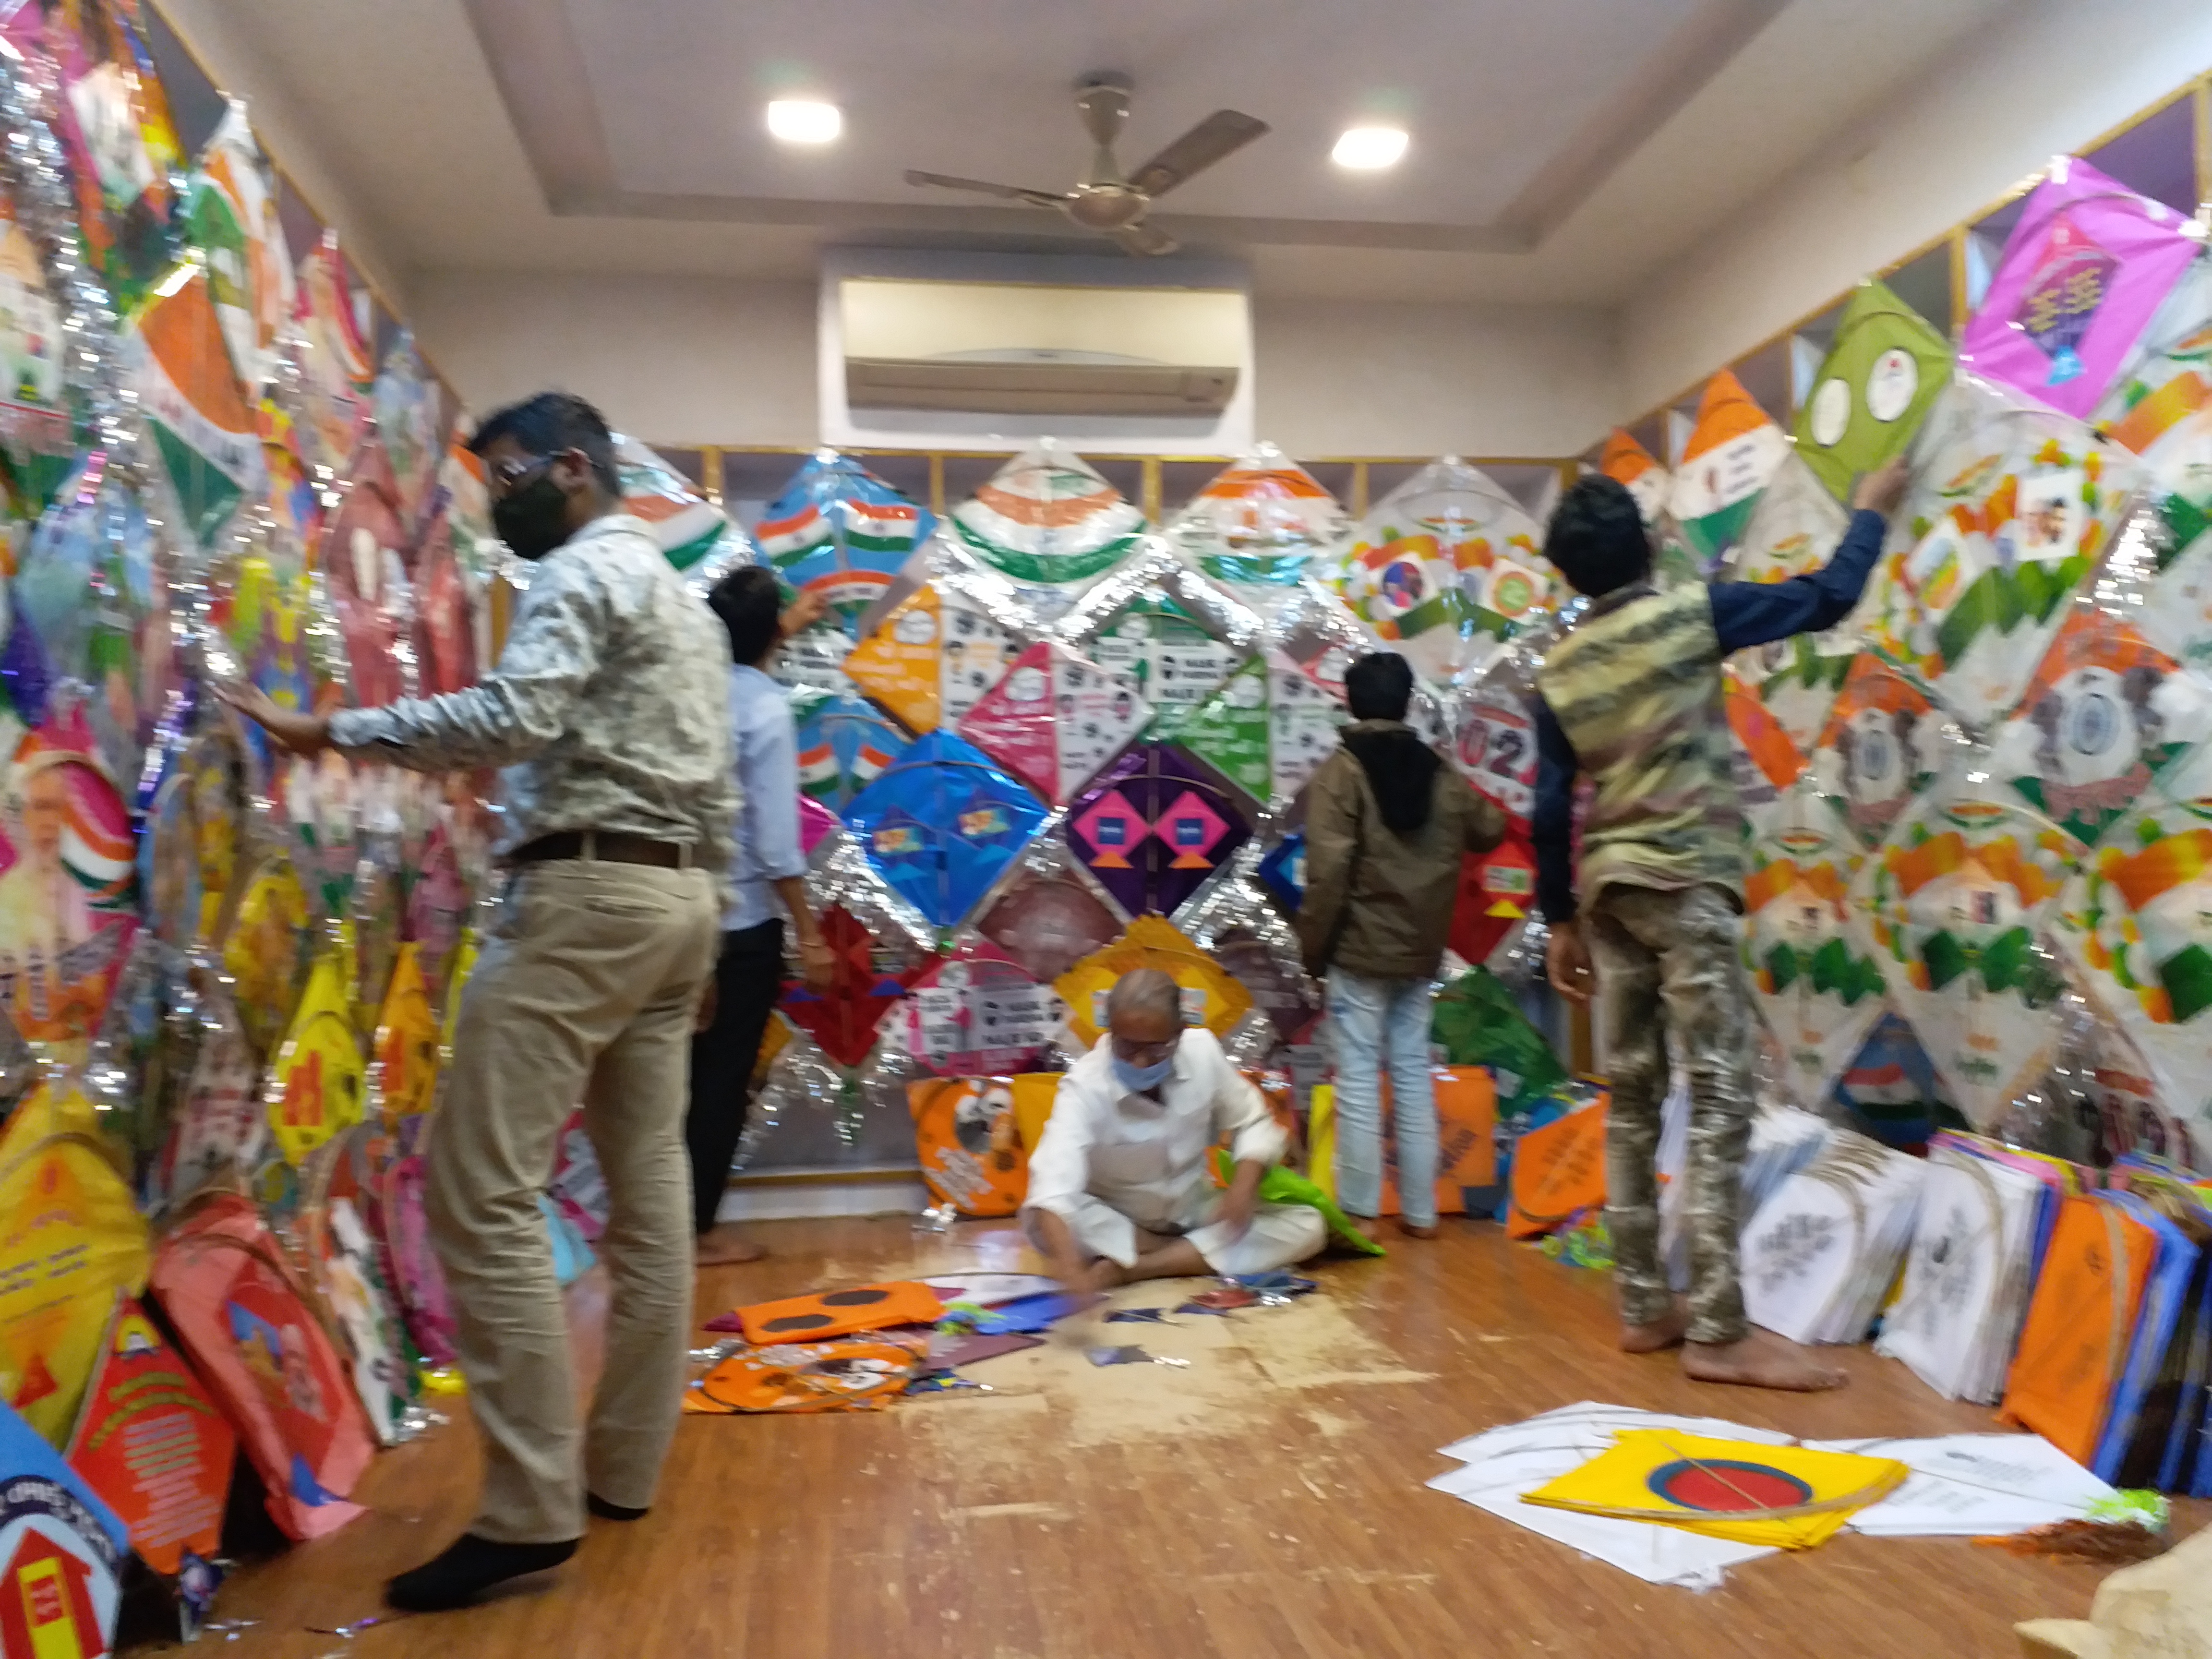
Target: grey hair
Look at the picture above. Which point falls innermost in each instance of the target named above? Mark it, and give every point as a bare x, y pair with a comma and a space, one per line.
1146, 990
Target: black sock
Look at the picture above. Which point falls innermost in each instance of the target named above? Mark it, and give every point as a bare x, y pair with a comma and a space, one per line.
607, 1511
469, 1566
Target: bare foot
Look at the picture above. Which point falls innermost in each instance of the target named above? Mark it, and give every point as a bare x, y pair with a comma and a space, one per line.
1760, 1360
1664, 1331
1367, 1227
725, 1246
1414, 1230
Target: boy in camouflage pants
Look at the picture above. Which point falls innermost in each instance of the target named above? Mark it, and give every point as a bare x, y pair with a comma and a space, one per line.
1633, 697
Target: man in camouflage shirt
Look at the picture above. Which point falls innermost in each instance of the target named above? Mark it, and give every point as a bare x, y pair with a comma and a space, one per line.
1632, 696
606, 711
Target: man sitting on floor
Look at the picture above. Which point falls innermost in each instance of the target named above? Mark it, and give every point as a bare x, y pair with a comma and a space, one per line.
1118, 1186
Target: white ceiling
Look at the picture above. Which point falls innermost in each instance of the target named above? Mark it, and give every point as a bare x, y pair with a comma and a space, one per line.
1562, 149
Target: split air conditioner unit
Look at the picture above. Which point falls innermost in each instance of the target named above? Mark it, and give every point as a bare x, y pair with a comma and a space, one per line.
938, 347
1022, 349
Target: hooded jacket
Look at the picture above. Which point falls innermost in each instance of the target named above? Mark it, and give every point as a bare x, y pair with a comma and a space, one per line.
1387, 824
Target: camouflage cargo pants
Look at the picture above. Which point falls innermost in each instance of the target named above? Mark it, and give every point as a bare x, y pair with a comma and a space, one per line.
1667, 962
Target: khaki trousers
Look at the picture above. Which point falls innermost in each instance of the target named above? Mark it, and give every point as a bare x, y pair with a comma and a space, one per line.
587, 990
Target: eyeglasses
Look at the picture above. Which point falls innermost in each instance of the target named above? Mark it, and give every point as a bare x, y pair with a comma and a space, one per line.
504, 476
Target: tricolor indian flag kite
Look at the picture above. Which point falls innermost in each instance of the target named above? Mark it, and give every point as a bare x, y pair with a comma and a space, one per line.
1732, 452
1049, 516
208, 439
1259, 525
840, 531
1628, 462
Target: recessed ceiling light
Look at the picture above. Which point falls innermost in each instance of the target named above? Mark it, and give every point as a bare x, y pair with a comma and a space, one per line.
805, 121
1369, 148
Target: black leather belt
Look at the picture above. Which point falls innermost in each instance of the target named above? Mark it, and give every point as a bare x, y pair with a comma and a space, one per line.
608, 846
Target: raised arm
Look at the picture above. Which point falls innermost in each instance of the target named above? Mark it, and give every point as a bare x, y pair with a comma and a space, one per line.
1754, 613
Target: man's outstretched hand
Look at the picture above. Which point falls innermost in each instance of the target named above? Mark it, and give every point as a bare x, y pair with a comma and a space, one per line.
1883, 488
302, 733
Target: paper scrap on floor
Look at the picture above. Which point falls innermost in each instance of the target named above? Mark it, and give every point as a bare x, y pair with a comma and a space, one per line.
1505, 1462
1974, 1485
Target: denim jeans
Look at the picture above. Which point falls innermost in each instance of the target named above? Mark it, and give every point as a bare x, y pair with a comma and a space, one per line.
1379, 1021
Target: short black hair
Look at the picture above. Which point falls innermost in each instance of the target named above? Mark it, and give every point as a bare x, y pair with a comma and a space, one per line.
1379, 686
1596, 538
750, 601
550, 423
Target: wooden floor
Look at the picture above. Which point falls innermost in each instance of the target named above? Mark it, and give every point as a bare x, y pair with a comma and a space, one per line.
1265, 1503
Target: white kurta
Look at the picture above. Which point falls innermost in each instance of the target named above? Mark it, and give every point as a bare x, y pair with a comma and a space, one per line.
1111, 1162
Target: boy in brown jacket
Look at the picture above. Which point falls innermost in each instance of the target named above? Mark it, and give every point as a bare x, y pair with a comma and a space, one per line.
1387, 822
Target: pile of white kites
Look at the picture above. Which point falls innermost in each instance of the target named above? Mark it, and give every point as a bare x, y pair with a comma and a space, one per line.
1977, 1486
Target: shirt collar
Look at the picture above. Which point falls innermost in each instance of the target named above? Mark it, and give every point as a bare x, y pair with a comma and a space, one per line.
745, 674
1619, 597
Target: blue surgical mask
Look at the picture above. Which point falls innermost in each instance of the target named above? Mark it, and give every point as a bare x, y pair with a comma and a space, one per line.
1142, 1080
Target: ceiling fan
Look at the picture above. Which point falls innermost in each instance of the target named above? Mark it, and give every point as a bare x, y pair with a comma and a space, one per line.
1107, 200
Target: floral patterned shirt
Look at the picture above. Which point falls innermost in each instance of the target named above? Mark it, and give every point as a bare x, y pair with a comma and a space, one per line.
607, 710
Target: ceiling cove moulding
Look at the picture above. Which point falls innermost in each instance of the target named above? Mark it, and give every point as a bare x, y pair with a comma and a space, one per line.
545, 82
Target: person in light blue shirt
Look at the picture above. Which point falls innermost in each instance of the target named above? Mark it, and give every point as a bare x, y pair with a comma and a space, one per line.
769, 876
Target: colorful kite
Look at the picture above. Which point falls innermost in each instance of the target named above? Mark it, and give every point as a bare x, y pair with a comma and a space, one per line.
2083, 275
2173, 380
1047, 918
698, 538
1890, 1092
866, 984
1445, 566
2137, 924
113, 117
968, 1144
1884, 370
1047, 517
1793, 531
409, 407
1174, 634
932, 657
2105, 715
840, 531
977, 1012
317, 1082
1952, 908
230, 216
336, 371
230, 1296
1496, 894
1267, 729
1212, 996
1817, 992
1627, 462
844, 745
2176, 614
942, 824
79, 1243
364, 561
1731, 455
1154, 829
207, 440
1262, 523
2011, 507
1053, 720
1494, 738
68, 892
144, 1394
62, 1553
1879, 749
36, 441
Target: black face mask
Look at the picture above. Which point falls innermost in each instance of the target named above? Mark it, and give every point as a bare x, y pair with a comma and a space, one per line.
534, 519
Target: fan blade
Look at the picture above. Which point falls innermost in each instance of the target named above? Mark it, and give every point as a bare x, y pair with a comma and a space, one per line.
1011, 192
1221, 135
1145, 238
